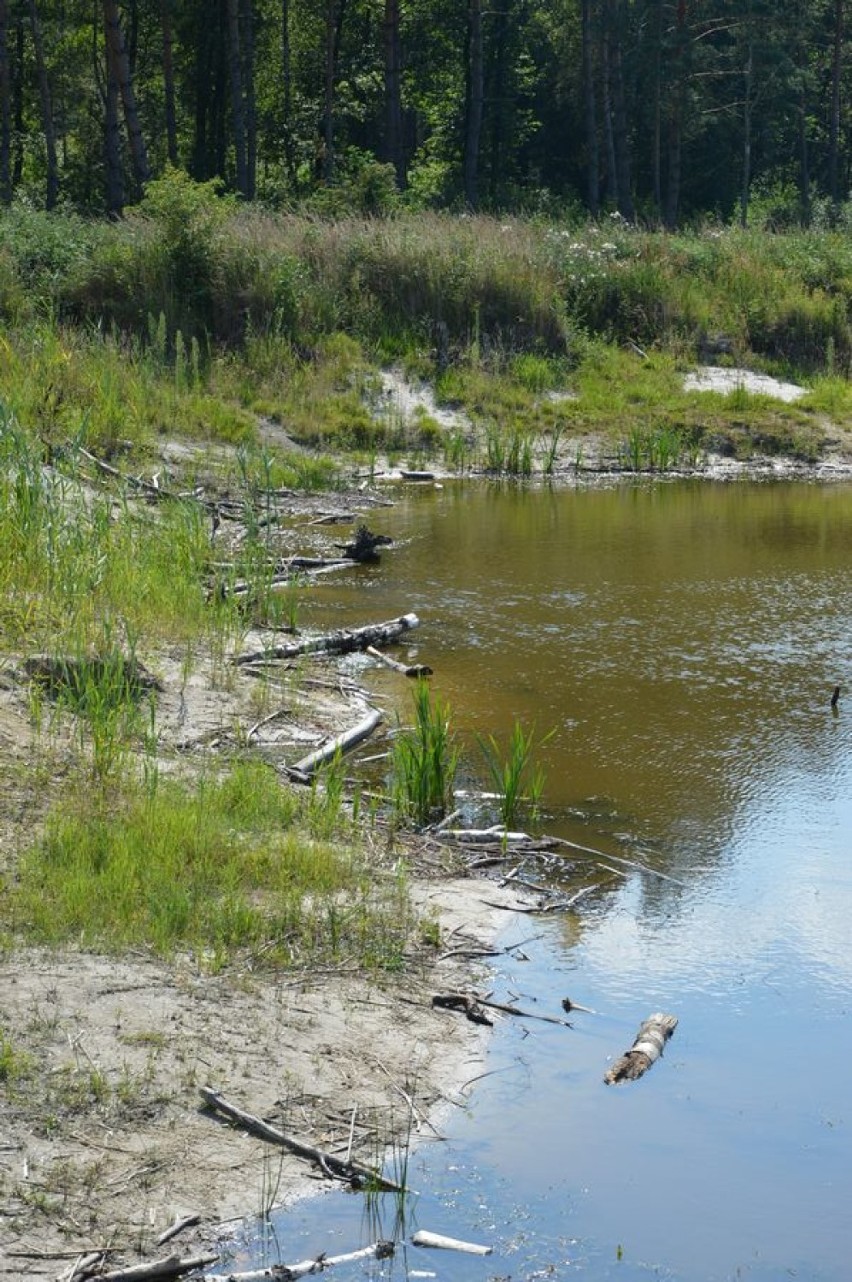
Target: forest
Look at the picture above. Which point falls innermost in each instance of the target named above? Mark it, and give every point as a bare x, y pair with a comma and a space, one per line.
666, 111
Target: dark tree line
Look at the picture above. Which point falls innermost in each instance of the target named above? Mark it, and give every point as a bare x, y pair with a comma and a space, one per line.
660, 109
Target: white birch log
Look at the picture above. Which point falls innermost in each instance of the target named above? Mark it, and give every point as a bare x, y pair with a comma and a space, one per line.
424, 1238
342, 642
343, 743
411, 670
647, 1048
379, 1250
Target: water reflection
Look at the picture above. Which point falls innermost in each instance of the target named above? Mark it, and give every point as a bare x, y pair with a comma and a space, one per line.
684, 640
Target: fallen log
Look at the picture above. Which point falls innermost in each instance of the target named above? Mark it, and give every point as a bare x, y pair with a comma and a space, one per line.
423, 1237
412, 670
653, 1034
158, 1270
342, 743
344, 641
283, 1272
353, 1172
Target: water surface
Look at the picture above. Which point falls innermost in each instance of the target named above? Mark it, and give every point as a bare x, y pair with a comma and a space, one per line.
682, 640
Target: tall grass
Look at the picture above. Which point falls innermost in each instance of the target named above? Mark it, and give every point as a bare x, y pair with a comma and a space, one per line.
514, 772
222, 867
424, 760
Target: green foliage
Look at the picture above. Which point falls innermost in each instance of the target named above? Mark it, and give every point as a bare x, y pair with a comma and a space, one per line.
220, 868
513, 772
423, 761
14, 1064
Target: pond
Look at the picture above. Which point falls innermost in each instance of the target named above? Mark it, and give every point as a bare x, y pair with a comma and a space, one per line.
682, 640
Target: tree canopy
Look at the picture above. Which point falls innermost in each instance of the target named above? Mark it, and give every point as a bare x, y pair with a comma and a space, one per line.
658, 109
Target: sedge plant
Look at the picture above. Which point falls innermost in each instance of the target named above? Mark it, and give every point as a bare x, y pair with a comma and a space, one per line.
515, 776
424, 760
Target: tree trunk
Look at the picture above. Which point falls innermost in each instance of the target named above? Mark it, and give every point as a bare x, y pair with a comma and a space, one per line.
619, 117
5, 109
18, 104
748, 80
834, 118
678, 109
657, 157
237, 100
287, 96
52, 185
169, 80
473, 115
393, 92
593, 191
118, 65
610, 183
330, 77
250, 98
112, 146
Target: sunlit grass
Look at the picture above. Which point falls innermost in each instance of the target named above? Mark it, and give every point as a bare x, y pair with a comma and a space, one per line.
222, 867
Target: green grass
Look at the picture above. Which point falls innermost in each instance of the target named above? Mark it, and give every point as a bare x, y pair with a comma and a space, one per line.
513, 771
225, 867
424, 760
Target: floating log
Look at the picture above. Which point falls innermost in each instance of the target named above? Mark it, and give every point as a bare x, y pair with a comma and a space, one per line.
158, 1270
343, 642
423, 1237
408, 475
353, 1172
412, 670
835, 697
648, 1047
283, 1272
342, 743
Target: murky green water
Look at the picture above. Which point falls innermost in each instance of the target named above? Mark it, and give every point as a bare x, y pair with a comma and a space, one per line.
683, 641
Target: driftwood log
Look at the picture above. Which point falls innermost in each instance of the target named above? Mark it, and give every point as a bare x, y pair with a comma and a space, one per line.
378, 1250
653, 1034
407, 670
423, 1237
344, 641
342, 743
353, 1172
158, 1270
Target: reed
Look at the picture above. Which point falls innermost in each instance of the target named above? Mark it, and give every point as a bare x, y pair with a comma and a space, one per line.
513, 771
424, 758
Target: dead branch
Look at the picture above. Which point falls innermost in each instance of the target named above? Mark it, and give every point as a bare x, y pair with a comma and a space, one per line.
158, 1270
618, 859
342, 642
413, 670
342, 743
653, 1034
461, 1001
423, 1237
466, 1003
184, 1222
353, 1172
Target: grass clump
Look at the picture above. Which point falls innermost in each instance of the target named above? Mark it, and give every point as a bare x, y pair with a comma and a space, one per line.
423, 761
513, 771
225, 867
